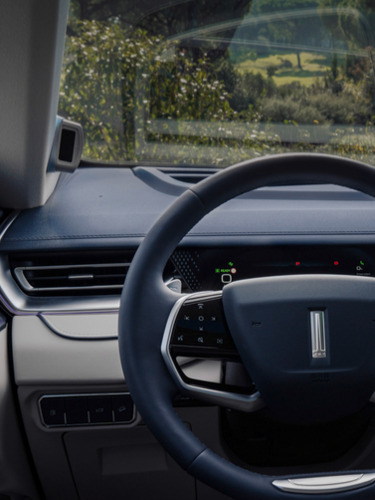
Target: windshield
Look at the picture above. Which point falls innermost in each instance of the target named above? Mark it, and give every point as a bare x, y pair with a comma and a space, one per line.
213, 82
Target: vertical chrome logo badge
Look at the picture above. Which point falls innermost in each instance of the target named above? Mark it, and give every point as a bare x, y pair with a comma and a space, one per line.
318, 334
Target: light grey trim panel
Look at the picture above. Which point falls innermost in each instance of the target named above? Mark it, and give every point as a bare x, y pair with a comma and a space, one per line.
81, 326
42, 357
325, 484
233, 400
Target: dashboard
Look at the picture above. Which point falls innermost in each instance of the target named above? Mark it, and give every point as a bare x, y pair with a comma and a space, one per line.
62, 266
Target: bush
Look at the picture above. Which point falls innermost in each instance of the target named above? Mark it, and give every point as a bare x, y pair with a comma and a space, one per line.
281, 110
307, 107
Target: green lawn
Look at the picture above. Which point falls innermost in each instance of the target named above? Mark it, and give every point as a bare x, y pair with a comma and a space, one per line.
313, 66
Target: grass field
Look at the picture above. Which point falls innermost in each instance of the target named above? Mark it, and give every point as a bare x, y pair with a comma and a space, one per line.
313, 66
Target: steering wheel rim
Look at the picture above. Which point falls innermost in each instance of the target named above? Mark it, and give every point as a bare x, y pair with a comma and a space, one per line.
146, 304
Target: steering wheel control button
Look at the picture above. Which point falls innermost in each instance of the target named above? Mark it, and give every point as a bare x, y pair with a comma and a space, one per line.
325, 484
86, 409
201, 324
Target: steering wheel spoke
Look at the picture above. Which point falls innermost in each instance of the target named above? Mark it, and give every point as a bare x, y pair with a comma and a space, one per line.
197, 346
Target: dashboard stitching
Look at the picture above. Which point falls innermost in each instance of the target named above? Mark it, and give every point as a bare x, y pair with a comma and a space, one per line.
227, 233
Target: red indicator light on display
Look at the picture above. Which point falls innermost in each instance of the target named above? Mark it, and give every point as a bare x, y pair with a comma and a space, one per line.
298, 263
336, 263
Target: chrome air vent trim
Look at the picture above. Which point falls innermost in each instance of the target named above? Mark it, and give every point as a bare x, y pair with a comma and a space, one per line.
17, 302
72, 274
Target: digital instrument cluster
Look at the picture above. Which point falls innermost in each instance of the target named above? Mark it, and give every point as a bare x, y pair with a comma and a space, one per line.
213, 268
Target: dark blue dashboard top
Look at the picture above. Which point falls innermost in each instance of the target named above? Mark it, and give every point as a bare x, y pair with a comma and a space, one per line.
114, 208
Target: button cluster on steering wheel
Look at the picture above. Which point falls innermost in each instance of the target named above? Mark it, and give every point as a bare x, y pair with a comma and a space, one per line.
202, 326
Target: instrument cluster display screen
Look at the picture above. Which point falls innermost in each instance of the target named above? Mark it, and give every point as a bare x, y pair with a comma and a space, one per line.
213, 268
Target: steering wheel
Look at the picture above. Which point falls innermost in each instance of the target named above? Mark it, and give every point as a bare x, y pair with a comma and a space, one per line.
307, 342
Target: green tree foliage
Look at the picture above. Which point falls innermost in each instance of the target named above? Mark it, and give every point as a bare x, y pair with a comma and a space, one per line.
105, 89
114, 85
98, 84
141, 94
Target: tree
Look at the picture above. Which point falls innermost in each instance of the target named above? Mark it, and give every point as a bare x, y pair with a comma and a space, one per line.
105, 90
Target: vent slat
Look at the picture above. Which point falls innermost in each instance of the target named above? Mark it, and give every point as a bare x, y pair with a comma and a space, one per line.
71, 278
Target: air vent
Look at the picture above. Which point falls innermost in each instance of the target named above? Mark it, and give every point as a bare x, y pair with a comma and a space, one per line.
172, 180
72, 274
188, 175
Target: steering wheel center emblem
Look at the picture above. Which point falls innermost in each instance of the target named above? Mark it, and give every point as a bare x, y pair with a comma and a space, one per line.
318, 334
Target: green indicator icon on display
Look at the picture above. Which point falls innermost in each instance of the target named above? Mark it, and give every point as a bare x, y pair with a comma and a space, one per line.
226, 270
